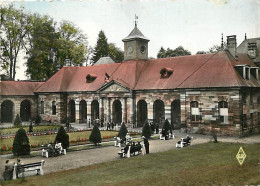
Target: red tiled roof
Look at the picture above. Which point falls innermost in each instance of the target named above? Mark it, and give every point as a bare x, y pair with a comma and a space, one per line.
18, 87
70, 79
194, 71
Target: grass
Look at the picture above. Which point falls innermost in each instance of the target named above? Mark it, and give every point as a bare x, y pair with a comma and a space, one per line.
45, 139
26, 128
205, 164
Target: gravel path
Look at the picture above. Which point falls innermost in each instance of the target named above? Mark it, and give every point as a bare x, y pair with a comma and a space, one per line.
93, 156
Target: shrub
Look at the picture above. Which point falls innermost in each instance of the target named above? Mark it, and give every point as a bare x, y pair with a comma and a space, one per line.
17, 121
38, 119
63, 138
167, 126
21, 145
95, 136
123, 131
146, 132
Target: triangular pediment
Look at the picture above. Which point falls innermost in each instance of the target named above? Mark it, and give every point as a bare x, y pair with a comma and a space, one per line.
113, 87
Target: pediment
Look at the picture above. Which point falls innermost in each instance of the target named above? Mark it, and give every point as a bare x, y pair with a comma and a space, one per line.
113, 87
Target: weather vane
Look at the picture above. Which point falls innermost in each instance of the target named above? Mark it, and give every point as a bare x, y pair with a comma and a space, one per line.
136, 17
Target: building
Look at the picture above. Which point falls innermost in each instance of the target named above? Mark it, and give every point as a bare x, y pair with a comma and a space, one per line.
200, 92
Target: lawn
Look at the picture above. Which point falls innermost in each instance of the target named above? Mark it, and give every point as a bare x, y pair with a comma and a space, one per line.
205, 164
45, 139
26, 128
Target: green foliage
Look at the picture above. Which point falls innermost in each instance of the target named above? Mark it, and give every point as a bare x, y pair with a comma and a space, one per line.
179, 51
116, 53
216, 48
63, 138
123, 131
146, 132
13, 31
51, 46
95, 136
38, 119
21, 145
102, 48
17, 121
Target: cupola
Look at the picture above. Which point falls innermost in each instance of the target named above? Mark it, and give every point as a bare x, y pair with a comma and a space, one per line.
135, 45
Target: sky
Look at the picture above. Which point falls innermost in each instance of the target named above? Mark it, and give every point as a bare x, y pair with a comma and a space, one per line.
194, 24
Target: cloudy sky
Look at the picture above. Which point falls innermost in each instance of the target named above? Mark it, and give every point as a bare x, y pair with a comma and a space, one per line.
194, 24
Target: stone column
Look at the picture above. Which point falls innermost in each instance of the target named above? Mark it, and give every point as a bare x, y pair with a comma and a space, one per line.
132, 111
108, 110
101, 110
88, 111
168, 113
150, 111
77, 111
124, 110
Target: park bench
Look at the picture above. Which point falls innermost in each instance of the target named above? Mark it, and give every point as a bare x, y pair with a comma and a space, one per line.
171, 136
19, 170
184, 142
53, 151
130, 151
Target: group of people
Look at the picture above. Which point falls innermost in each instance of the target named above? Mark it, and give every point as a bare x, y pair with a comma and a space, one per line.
9, 169
134, 147
154, 127
54, 150
110, 125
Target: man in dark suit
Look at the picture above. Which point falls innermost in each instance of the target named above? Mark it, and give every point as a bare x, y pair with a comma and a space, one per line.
146, 144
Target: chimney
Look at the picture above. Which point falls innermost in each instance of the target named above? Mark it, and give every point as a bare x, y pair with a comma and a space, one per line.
232, 45
252, 50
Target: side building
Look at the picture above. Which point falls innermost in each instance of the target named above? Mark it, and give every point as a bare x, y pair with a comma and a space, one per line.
200, 92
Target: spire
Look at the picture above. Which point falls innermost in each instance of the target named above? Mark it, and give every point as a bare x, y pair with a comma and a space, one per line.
222, 44
136, 17
245, 36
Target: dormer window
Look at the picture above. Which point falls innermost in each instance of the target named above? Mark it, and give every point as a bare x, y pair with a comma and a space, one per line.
244, 71
90, 78
166, 72
254, 71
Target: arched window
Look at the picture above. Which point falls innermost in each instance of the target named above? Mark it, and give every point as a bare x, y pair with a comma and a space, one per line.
195, 112
158, 112
223, 112
142, 113
117, 111
25, 110
53, 108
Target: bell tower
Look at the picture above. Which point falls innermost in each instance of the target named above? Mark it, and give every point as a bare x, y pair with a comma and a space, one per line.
135, 45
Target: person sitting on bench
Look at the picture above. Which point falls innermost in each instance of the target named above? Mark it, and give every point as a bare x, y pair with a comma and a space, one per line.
138, 147
133, 148
187, 140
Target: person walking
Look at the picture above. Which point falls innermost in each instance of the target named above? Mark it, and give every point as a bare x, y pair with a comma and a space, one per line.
146, 144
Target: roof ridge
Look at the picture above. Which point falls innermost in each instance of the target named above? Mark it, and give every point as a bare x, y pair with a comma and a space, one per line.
197, 69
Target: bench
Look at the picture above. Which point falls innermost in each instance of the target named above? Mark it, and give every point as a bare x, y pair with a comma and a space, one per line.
130, 151
52, 151
171, 136
117, 142
184, 142
19, 170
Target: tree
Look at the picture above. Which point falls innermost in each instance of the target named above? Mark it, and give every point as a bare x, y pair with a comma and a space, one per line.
49, 46
116, 53
12, 33
72, 44
216, 48
21, 145
17, 121
38, 119
146, 132
41, 48
102, 48
63, 138
95, 136
179, 51
123, 131
167, 126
